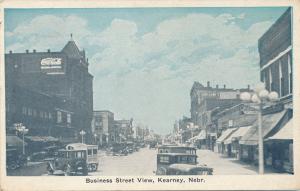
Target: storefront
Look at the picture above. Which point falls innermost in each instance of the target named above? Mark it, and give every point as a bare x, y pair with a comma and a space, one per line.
232, 142
280, 149
249, 142
220, 141
199, 140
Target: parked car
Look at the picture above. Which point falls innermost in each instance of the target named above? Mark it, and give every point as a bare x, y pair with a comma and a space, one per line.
51, 151
188, 169
14, 159
38, 156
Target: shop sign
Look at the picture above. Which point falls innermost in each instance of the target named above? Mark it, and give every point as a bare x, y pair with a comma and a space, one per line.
51, 63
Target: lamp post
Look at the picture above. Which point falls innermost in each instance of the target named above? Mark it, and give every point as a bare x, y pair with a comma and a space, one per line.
82, 133
22, 129
260, 96
95, 136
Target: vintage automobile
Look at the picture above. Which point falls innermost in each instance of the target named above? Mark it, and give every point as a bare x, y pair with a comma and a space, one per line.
38, 156
51, 151
172, 159
14, 159
188, 169
119, 149
76, 159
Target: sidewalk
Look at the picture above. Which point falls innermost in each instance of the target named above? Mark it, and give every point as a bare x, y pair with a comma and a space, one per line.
223, 165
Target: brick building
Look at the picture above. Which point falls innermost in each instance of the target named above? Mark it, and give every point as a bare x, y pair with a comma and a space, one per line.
204, 99
124, 130
276, 71
51, 93
103, 126
276, 65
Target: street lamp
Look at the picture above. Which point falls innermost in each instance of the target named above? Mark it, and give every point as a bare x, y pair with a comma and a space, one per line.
82, 133
260, 96
22, 129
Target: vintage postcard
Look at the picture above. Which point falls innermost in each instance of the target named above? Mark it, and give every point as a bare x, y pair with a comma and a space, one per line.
149, 95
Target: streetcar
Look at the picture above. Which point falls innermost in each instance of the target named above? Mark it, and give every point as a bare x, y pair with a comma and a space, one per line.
179, 160
77, 159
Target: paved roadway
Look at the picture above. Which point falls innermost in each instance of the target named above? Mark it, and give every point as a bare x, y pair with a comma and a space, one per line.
143, 162
138, 163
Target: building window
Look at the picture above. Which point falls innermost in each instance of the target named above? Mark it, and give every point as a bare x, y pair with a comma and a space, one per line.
68, 118
24, 110
41, 114
34, 112
50, 115
59, 117
94, 151
29, 111
270, 79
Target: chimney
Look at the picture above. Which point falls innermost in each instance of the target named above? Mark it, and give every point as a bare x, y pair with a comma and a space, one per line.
10, 52
208, 84
48, 51
34, 51
224, 86
27, 51
248, 87
217, 86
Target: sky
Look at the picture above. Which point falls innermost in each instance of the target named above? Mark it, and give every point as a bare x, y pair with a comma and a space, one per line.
145, 60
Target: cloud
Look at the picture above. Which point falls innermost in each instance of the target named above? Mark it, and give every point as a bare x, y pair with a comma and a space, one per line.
149, 76
156, 70
47, 31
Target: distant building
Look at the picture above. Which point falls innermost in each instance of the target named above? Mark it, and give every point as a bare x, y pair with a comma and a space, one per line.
204, 99
276, 63
103, 126
124, 130
49, 86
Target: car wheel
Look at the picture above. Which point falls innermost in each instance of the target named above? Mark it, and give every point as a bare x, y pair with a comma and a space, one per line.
13, 166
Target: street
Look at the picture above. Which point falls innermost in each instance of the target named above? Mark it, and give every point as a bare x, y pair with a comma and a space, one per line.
143, 162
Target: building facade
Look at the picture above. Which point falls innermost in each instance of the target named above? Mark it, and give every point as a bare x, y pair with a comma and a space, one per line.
204, 99
124, 130
51, 93
276, 63
276, 71
103, 126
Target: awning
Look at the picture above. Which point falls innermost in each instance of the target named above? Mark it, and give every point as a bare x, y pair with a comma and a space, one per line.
285, 133
41, 138
14, 141
200, 136
238, 134
225, 134
268, 123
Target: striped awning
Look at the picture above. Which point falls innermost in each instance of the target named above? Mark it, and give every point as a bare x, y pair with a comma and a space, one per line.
238, 134
268, 123
225, 135
200, 136
285, 133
